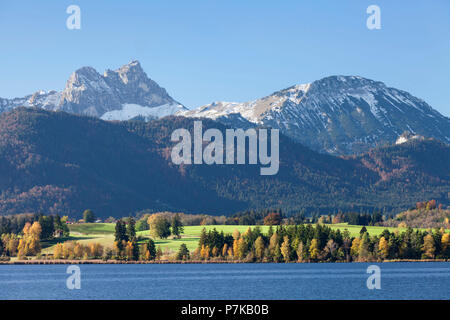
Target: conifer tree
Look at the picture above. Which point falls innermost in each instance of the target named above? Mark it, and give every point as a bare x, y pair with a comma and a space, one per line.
183, 252
120, 233
131, 229
135, 252
277, 253
177, 226
151, 249
445, 244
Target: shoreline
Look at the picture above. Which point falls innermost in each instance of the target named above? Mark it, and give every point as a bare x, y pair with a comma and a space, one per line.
72, 262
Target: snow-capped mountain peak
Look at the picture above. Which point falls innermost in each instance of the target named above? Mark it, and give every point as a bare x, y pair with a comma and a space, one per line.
336, 114
108, 96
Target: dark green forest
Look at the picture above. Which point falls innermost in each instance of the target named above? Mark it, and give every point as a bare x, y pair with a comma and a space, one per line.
57, 163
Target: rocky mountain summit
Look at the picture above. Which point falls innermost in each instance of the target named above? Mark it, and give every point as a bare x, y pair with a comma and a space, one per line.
120, 94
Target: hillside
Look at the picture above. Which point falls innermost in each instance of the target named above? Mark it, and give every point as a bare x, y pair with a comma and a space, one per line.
55, 162
434, 218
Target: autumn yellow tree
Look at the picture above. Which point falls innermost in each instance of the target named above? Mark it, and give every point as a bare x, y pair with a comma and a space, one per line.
96, 250
259, 248
78, 251
383, 248
144, 253
224, 250
300, 252
445, 241
29, 244
230, 252
22, 249
91, 250
286, 249
247, 232
35, 238
354, 250
236, 248
129, 250
68, 250
204, 252
322, 219
428, 247
207, 252
215, 252
242, 246
58, 251
314, 249
10, 243
273, 243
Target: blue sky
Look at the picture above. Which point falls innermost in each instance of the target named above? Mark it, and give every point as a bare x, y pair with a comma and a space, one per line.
204, 51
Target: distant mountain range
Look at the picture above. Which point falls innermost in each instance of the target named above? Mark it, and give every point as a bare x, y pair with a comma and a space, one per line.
121, 94
56, 162
339, 115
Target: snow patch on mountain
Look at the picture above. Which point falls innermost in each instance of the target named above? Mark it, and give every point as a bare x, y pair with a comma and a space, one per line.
130, 111
408, 136
217, 110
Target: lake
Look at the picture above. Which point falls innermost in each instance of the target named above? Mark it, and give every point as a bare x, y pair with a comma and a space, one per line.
400, 280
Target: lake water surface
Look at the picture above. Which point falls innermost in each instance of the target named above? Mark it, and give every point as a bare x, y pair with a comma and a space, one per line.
400, 280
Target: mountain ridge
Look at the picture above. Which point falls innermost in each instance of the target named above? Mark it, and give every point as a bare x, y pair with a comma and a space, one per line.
337, 114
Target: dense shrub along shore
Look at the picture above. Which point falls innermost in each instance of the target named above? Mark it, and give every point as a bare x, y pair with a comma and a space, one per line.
62, 261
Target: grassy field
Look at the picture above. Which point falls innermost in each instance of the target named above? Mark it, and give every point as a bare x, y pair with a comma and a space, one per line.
354, 230
103, 233
92, 228
191, 235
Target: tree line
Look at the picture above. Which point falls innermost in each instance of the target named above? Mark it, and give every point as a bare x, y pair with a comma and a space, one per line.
282, 243
320, 243
22, 235
291, 243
